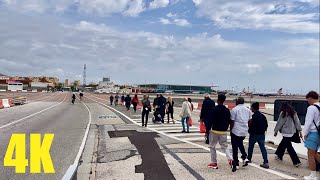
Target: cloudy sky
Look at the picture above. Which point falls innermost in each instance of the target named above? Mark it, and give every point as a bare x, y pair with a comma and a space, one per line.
230, 43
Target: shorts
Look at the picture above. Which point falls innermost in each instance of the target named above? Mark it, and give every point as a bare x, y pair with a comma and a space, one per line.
313, 141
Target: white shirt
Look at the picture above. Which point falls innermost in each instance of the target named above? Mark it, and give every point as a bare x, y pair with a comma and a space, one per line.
312, 114
240, 115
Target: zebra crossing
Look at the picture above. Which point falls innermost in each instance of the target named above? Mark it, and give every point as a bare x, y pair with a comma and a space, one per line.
175, 130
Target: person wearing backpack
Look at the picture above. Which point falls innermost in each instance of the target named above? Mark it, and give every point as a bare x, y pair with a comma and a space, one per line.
288, 124
312, 133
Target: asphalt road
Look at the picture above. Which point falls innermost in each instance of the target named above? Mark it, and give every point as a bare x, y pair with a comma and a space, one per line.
192, 153
58, 116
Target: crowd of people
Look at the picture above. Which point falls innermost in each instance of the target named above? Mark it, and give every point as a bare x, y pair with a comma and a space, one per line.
240, 121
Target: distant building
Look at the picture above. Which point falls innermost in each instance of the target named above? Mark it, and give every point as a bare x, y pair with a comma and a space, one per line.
4, 77
107, 86
66, 83
184, 89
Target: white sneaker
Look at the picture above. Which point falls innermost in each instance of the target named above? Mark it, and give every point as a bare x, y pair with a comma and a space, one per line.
162, 124
310, 178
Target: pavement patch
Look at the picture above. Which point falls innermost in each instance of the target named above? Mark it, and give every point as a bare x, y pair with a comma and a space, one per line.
154, 165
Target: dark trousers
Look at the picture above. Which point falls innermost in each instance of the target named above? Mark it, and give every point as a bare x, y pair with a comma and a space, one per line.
128, 105
260, 139
286, 144
111, 102
162, 117
237, 142
134, 106
170, 114
145, 113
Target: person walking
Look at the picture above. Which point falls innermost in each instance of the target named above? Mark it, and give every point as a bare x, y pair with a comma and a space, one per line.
155, 101
240, 116
145, 111
127, 101
122, 99
219, 126
311, 133
135, 102
162, 106
288, 124
185, 114
73, 98
169, 109
111, 99
116, 102
206, 114
258, 126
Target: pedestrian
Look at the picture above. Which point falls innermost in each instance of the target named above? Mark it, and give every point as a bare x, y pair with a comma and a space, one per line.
127, 101
288, 124
111, 99
219, 125
135, 102
185, 114
122, 99
258, 126
116, 102
190, 101
169, 109
240, 116
207, 113
162, 106
311, 132
155, 101
146, 109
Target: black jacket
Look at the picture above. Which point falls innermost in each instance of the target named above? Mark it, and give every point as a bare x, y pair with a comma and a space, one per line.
207, 110
220, 120
258, 124
127, 100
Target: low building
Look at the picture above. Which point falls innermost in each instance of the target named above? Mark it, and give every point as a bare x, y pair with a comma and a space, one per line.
183, 89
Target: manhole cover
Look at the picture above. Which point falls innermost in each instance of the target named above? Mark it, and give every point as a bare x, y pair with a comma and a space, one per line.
107, 116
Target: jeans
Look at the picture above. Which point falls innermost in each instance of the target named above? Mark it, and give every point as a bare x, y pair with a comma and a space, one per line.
170, 114
286, 144
223, 141
237, 142
145, 113
187, 122
260, 138
135, 106
128, 106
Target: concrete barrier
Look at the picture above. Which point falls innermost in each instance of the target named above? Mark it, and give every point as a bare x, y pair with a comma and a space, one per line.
1, 105
5, 103
195, 105
11, 103
300, 149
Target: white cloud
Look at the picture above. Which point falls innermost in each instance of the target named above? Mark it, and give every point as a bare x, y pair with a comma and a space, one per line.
253, 68
135, 56
265, 15
285, 65
159, 4
91, 7
165, 21
181, 22
170, 15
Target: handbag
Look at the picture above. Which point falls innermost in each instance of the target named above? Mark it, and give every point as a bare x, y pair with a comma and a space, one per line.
202, 127
295, 138
190, 121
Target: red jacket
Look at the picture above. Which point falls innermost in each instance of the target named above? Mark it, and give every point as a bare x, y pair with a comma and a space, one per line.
136, 100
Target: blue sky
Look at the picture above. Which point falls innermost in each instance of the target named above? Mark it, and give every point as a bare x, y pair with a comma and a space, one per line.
262, 44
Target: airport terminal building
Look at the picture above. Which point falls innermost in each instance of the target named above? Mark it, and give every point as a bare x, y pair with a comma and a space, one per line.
183, 89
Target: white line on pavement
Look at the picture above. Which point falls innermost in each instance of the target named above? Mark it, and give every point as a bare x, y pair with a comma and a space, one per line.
15, 122
197, 145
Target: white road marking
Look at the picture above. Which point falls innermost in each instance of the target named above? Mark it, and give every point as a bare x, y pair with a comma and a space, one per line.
72, 168
198, 145
17, 121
